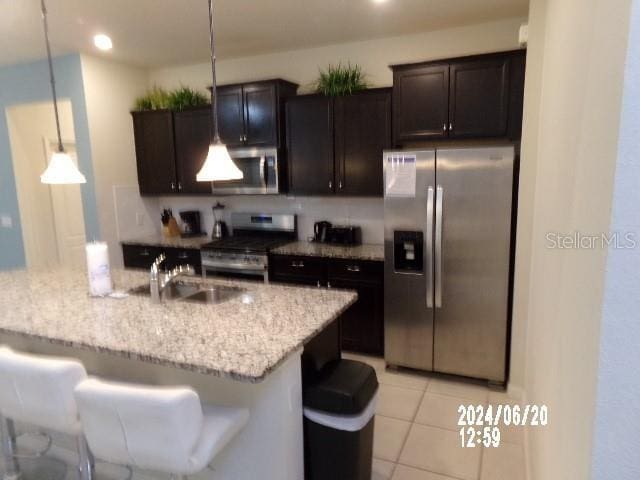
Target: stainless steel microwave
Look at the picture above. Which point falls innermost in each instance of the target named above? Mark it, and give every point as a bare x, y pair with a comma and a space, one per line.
260, 169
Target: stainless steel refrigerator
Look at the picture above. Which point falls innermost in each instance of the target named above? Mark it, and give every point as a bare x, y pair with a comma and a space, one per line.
447, 235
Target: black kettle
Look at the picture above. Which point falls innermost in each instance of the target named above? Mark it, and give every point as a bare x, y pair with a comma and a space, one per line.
321, 231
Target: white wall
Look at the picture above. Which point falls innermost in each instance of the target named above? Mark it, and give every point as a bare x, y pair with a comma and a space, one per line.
110, 90
616, 443
364, 212
374, 56
301, 66
570, 139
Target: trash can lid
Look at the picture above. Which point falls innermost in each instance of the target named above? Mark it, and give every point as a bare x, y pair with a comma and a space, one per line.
344, 387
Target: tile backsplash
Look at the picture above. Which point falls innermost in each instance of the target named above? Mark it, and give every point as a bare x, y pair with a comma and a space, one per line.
364, 212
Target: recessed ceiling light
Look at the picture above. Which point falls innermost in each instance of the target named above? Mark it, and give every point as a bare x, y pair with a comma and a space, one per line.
102, 41
379, 1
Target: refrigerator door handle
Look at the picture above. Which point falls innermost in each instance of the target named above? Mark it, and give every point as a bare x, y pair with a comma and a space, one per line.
429, 249
438, 246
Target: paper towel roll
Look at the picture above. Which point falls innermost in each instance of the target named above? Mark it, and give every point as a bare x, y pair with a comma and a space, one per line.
98, 268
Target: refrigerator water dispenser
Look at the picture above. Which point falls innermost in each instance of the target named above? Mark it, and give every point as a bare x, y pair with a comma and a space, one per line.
408, 251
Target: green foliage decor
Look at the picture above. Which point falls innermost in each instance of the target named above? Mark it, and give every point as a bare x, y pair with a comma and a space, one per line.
158, 98
341, 80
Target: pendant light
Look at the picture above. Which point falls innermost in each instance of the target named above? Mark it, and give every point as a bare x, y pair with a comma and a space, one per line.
218, 165
61, 169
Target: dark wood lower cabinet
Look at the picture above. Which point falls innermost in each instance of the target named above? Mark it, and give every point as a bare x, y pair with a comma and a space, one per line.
362, 324
142, 256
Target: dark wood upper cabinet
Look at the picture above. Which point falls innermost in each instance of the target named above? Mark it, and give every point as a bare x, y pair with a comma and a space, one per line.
421, 102
362, 124
470, 97
260, 114
250, 114
192, 138
231, 115
310, 145
155, 152
334, 145
479, 98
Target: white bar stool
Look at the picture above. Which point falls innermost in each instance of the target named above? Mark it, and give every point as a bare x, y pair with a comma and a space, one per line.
39, 391
154, 428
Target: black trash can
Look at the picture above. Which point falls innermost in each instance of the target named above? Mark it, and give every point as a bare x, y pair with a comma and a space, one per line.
339, 412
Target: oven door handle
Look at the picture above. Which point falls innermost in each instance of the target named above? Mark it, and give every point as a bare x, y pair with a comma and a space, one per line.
233, 266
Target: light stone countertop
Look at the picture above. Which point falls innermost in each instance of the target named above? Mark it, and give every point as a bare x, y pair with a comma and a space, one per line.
243, 341
310, 249
160, 240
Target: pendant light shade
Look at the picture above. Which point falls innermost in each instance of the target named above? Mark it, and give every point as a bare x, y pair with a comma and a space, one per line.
62, 169
218, 165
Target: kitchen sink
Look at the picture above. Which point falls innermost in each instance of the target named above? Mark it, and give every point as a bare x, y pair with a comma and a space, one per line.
214, 294
193, 292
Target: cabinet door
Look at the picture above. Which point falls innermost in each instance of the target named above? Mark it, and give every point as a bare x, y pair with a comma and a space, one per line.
421, 103
295, 269
479, 98
139, 256
260, 120
230, 115
155, 152
310, 145
362, 323
193, 136
362, 132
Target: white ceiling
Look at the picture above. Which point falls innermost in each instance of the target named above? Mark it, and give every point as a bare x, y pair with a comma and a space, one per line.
166, 32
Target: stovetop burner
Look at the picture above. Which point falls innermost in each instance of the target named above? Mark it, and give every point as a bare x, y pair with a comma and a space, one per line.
247, 244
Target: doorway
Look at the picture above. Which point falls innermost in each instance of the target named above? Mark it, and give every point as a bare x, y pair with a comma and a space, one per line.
51, 216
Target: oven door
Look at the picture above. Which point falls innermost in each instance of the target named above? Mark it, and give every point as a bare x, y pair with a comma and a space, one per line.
260, 173
231, 270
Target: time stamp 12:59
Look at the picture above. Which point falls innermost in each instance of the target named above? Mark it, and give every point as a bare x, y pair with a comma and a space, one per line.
480, 424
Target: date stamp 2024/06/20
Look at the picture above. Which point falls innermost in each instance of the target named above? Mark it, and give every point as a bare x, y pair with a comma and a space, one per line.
480, 424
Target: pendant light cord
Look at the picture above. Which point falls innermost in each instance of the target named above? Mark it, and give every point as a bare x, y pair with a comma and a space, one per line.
53, 81
214, 94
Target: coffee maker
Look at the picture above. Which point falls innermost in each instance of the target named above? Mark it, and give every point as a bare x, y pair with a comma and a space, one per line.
191, 222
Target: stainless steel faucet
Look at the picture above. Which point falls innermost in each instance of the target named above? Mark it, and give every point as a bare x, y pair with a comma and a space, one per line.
160, 280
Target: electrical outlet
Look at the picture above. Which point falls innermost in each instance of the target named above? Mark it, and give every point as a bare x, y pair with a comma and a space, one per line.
6, 221
139, 219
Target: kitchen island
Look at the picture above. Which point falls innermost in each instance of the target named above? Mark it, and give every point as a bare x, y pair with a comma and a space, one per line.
243, 352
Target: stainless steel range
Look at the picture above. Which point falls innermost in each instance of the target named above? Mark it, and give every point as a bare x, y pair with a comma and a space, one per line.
245, 253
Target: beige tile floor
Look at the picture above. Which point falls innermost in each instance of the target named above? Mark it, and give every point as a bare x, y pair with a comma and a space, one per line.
417, 433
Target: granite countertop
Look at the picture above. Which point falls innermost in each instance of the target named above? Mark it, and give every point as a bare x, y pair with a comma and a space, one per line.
309, 249
160, 240
244, 338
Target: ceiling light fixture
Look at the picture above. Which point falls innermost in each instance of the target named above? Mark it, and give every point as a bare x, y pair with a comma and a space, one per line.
61, 169
103, 42
218, 165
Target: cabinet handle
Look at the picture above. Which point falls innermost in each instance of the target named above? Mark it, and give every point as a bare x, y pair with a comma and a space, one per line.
245, 137
330, 185
353, 268
144, 253
328, 284
240, 137
340, 184
318, 284
179, 185
173, 186
297, 264
444, 127
451, 127
183, 256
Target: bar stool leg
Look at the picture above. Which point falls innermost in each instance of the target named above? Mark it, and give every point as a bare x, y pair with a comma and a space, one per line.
86, 462
12, 469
